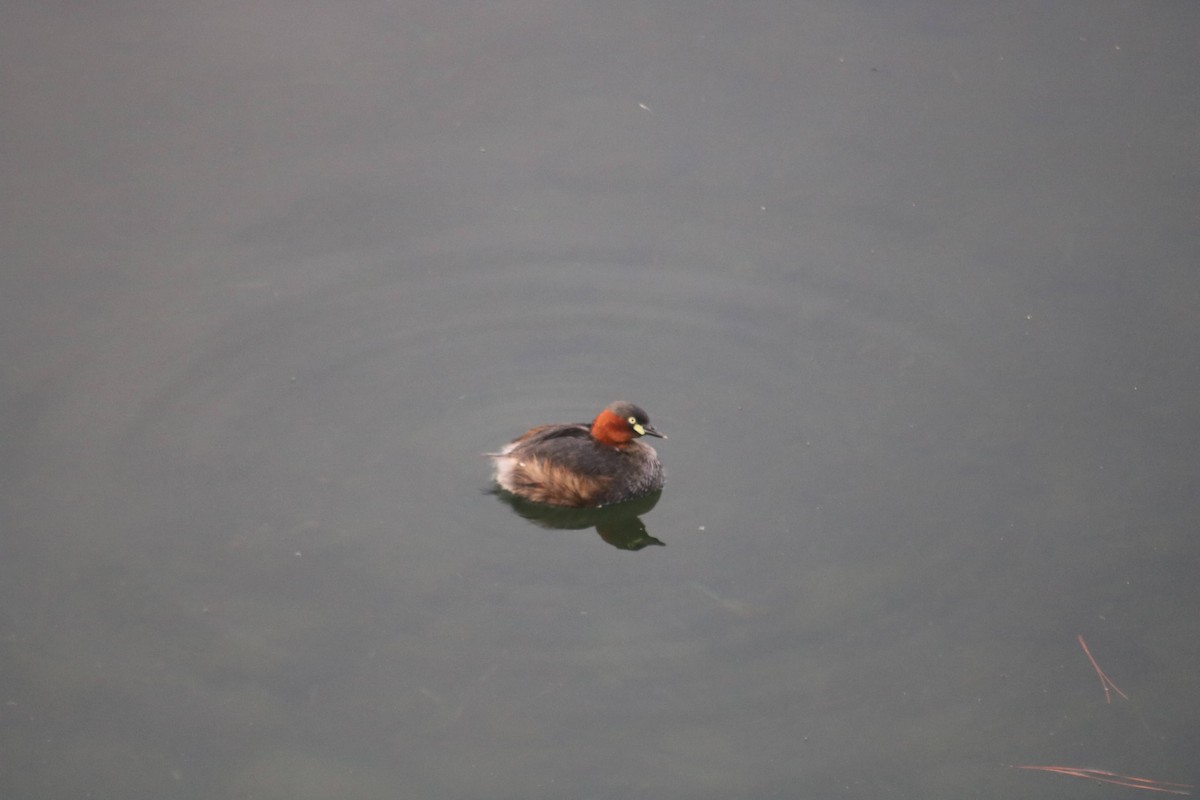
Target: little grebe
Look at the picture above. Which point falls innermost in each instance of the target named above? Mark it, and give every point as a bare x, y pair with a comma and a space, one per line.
580, 465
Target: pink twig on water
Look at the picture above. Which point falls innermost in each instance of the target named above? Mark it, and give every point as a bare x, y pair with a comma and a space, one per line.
1104, 776
1105, 681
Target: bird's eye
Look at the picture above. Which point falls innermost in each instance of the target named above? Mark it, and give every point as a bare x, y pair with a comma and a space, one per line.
633, 420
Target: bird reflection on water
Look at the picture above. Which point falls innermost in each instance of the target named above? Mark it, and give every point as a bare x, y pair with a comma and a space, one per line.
620, 524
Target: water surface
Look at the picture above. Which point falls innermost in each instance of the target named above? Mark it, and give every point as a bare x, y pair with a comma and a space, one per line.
910, 286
